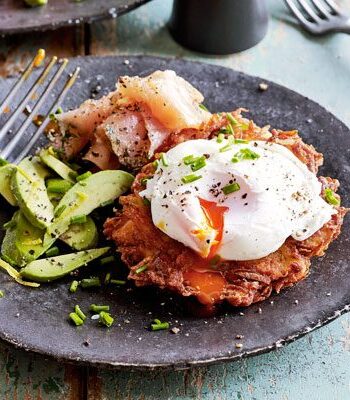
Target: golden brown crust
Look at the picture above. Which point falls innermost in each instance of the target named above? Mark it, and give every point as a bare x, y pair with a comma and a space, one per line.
242, 282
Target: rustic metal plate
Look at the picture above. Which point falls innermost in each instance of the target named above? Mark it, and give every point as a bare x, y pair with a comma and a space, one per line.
16, 17
36, 320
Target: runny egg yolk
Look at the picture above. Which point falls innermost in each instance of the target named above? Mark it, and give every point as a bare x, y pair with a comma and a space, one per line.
215, 219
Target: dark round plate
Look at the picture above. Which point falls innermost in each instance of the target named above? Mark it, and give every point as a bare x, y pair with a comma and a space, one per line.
37, 319
17, 18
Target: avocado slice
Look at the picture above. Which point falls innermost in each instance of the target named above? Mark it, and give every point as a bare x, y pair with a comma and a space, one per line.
28, 186
85, 196
81, 236
23, 242
58, 166
49, 269
6, 173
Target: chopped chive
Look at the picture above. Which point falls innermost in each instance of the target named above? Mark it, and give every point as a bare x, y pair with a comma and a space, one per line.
227, 147
330, 198
198, 164
157, 321
83, 176
90, 282
52, 117
164, 160
155, 163
159, 327
220, 138
188, 160
143, 181
203, 107
107, 278
73, 286
141, 269
107, 203
106, 319
2, 294
10, 224
98, 308
78, 219
245, 154
58, 185
232, 120
146, 201
79, 313
76, 319
54, 251
118, 282
231, 188
59, 110
107, 260
235, 160
190, 178
3, 162
230, 130
60, 210
241, 141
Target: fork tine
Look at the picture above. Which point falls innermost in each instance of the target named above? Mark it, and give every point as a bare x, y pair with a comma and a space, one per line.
24, 102
10, 146
309, 11
299, 15
333, 6
69, 83
36, 61
321, 8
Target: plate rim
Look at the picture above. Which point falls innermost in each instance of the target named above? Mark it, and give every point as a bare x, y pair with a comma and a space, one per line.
180, 365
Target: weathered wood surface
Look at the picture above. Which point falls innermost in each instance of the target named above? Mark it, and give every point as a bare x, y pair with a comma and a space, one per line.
316, 367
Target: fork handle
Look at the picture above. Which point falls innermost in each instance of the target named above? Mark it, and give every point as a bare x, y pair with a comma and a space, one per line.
345, 28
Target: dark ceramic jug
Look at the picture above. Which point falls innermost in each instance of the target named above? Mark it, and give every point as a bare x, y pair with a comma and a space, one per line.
219, 26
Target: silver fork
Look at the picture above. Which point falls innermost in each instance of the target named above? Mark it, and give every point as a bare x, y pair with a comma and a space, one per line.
320, 16
6, 151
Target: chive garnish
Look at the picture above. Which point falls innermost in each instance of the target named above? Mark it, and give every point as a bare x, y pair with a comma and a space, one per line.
227, 147
10, 224
79, 313
230, 130
141, 269
164, 160
3, 162
118, 282
245, 154
107, 203
198, 163
106, 319
76, 319
78, 219
190, 178
232, 120
241, 141
54, 251
60, 210
107, 260
203, 107
83, 176
107, 278
188, 160
330, 198
231, 188
73, 286
155, 163
98, 308
2, 294
220, 138
158, 326
90, 282
143, 181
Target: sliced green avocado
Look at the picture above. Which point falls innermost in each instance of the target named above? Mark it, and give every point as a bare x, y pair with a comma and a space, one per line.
35, 3
49, 269
23, 242
6, 173
85, 196
28, 186
81, 236
58, 166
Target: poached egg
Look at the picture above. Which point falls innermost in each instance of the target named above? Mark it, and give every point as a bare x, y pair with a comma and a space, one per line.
235, 199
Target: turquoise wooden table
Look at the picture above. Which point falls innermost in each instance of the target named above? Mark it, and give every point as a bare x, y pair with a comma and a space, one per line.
316, 367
